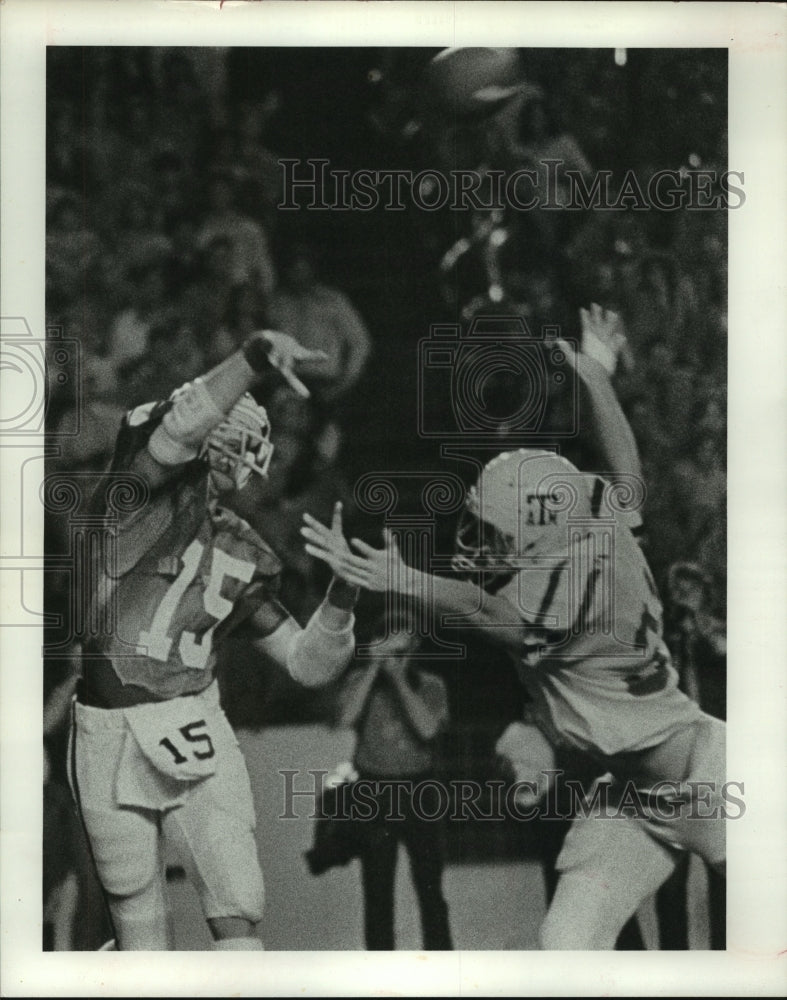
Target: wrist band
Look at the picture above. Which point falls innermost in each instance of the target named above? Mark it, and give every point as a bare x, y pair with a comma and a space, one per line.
256, 350
318, 654
348, 626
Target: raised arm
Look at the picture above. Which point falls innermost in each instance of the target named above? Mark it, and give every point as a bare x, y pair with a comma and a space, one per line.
204, 403
603, 341
384, 570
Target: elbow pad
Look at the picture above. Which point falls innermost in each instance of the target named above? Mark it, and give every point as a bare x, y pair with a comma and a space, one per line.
186, 424
317, 655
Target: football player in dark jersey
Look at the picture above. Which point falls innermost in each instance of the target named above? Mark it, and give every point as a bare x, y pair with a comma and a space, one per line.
152, 753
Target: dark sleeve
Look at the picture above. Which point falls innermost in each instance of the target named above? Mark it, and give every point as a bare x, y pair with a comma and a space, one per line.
260, 599
261, 604
135, 432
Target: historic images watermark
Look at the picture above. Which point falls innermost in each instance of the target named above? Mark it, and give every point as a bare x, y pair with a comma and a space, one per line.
489, 382
34, 366
550, 185
485, 389
550, 795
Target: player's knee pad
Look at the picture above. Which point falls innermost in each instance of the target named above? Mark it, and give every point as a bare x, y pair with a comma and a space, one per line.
228, 878
124, 851
140, 919
214, 833
124, 847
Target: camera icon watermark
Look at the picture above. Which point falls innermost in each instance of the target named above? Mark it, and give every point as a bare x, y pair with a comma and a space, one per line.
495, 379
33, 369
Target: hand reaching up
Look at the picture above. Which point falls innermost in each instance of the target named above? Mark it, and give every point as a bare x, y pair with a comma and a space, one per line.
358, 564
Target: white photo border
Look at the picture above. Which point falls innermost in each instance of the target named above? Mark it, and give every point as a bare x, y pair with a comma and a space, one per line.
754, 34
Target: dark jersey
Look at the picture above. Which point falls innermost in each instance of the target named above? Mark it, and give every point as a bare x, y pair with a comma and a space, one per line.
176, 578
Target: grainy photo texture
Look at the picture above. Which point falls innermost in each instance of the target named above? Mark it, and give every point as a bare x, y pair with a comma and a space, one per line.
385, 498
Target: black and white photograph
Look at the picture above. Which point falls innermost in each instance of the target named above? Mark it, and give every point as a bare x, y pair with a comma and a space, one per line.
392, 434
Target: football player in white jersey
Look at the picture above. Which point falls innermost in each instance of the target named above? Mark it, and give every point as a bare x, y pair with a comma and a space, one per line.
152, 753
548, 568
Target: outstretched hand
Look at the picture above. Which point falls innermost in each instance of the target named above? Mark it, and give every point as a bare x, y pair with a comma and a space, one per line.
358, 564
285, 354
603, 336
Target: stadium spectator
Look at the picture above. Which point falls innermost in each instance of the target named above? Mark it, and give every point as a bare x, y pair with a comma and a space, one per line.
132, 142
139, 241
73, 247
129, 334
182, 109
398, 708
322, 318
543, 140
698, 644
97, 413
174, 188
173, 352
259, 173
185, 262
699, 496
251, 258
207, 299
221, 154
244, 314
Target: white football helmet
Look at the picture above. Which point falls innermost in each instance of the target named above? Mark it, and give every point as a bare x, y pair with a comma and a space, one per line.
520, 508
241, 443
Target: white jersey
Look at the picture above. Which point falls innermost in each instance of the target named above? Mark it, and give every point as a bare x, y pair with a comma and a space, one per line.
594, 660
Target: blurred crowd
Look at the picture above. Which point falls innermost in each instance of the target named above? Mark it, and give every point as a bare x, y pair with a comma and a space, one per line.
164, 250
664, 272
162, 256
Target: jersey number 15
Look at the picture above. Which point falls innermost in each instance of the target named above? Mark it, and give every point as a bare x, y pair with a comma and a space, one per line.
155, 643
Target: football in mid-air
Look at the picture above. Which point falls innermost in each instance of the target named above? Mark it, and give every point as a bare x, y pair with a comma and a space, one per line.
472, 83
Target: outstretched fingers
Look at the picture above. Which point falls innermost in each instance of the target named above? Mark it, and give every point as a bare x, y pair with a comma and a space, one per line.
370, 551
342, 566
295, 383
317, 528
366, 550
285, 353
